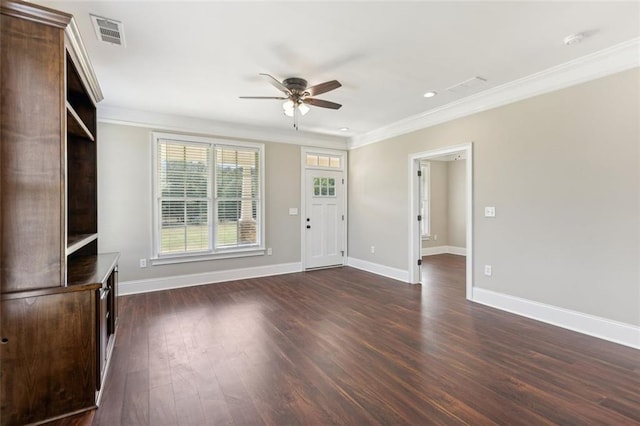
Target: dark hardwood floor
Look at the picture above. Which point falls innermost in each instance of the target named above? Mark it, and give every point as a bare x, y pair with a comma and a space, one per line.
342, 346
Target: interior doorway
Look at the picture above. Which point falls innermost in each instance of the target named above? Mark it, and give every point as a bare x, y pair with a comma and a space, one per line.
420, 212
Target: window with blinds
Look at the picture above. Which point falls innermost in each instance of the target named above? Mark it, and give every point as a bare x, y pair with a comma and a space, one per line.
183, 176
237, 198
208, 196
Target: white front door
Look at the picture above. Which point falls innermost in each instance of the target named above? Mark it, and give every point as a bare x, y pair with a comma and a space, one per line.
324, 222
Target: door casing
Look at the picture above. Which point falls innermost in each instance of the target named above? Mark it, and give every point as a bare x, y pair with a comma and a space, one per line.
414, 240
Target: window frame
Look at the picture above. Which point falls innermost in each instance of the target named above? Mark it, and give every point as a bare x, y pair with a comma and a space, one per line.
213, 253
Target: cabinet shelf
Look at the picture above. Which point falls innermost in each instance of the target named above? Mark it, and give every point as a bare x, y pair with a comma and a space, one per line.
75, 125
92, 269
76, 241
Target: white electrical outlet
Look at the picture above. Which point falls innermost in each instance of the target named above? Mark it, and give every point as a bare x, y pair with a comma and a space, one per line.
143, 263
435, 237
373, 249
487, 270
269, 251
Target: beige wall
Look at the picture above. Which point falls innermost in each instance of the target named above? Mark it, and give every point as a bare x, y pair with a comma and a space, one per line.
438, 206
457, 203
562, 170
448, 204
125, 215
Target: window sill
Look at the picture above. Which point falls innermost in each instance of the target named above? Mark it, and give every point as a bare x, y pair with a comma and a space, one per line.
184, 258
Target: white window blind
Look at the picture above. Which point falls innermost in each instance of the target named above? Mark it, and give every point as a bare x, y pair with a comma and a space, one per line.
208, 197
237, 197
184, 183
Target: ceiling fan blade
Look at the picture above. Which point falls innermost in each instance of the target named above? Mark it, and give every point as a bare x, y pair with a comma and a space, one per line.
321, 103
277, 84
323, 87
262, 97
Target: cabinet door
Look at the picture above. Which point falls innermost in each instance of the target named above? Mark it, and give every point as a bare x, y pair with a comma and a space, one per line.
112, 303
48, 360
103, 333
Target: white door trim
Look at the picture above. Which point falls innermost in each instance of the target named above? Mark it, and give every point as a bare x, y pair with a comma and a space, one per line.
303, 205
414, 232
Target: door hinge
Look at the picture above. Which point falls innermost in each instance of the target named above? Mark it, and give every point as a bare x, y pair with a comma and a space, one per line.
419, 262
343, 218
343, 181
342, 253
419, 173
419, 218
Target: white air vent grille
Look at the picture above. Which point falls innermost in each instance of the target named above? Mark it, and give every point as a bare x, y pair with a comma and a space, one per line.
108, 30
474, 84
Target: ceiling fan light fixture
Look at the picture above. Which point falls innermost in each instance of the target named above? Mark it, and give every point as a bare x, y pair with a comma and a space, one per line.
303, 108
287, 105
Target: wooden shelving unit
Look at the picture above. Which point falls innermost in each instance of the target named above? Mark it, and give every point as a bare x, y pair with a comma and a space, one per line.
59, 296
75, 125
77, 241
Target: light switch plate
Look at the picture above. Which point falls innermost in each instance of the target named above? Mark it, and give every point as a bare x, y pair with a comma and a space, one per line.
488, 270
489, 212
293, 211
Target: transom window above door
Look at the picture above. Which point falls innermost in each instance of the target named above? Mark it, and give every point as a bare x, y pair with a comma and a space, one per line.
324, 161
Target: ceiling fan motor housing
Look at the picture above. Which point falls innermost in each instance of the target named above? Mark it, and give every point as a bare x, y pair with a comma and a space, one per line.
295, 84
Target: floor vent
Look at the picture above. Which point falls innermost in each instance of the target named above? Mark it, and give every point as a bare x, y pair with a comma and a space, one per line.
108, 30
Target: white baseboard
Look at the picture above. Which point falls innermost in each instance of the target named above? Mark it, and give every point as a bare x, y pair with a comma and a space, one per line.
613, 331
430, 251
177, 281
386, 271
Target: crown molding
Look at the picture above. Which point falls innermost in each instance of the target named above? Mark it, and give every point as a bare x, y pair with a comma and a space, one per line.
83, 63
35, 13
160, 121
612, 60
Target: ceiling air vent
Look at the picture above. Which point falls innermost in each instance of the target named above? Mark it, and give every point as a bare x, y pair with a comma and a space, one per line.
474, 84
108, 30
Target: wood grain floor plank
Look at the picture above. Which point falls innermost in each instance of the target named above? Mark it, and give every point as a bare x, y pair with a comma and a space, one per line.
162, 408
135, 407
343, 346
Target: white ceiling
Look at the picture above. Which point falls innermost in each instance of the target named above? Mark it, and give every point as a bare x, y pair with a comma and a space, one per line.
195, 58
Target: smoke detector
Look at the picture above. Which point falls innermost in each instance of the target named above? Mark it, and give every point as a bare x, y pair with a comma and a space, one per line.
108, 30
573, 39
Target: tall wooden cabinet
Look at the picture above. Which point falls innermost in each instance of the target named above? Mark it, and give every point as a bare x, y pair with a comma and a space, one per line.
58, 311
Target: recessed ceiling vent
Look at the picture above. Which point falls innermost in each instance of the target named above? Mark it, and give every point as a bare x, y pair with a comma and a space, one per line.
474, 84
108, 30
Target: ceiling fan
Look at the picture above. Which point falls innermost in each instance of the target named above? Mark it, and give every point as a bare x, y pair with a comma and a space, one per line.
298, 95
